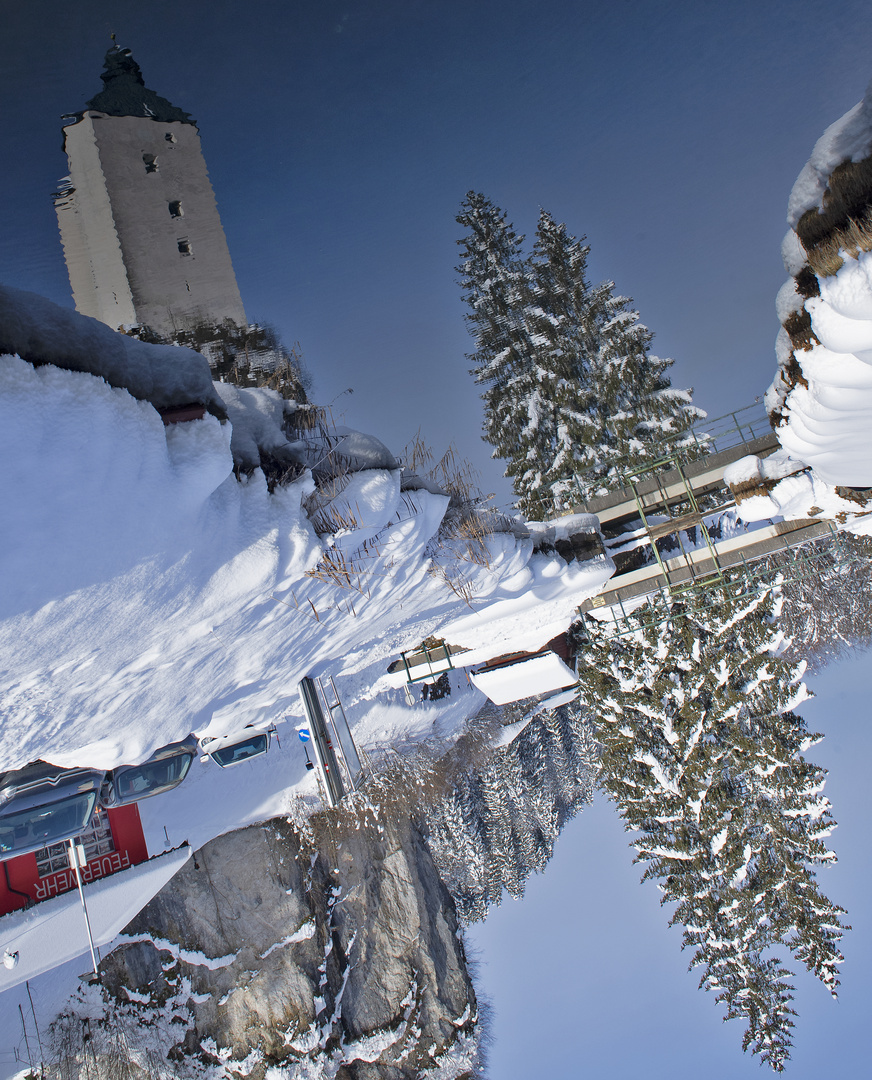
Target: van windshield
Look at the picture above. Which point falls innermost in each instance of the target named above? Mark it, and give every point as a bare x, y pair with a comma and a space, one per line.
241, 751
140, 781
42, 825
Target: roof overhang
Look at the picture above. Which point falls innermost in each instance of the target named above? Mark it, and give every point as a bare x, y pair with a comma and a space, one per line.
528, 677
53, 932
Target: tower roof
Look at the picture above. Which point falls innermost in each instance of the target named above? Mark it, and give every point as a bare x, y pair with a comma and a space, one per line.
124, 92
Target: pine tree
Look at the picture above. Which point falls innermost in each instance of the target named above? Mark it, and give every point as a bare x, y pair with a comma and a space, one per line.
496, 289
500, 821
645, 412
704, 759
563, 430
571, 390
827, 610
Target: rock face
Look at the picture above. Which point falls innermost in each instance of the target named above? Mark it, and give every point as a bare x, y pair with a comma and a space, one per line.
329, 952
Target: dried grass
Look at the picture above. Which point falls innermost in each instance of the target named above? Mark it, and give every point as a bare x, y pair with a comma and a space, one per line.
826, 258
308, 418
461, 541
336, 568
844, 223
798, 327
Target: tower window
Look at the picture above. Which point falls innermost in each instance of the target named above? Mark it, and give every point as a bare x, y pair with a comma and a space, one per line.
184, 245
150, 162
175, 209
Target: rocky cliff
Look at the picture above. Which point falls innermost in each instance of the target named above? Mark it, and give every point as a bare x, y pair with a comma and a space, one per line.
330, 950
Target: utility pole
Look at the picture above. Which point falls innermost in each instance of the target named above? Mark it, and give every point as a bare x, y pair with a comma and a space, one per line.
76, 853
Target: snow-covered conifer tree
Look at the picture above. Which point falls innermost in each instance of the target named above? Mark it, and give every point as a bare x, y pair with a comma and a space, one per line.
563, 431
572, 394
495, 286
641, 411
499, 822
704, 759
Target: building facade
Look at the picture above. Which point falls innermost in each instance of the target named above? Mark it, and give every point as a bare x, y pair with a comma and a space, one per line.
114, 842
142, 237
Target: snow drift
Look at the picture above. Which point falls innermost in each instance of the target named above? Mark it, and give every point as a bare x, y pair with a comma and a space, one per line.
149, 590
165, 375
820, 401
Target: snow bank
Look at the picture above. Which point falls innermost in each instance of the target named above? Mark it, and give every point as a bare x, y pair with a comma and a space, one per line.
781, 486
138, 573
92, 483
256, 415
165, 375
821, 398
361, 451
361, 508
828, 418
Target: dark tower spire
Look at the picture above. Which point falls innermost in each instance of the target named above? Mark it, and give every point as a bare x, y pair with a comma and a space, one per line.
124, 92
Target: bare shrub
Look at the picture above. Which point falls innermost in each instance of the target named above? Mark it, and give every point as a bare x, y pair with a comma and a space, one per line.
113, 1041
461, 541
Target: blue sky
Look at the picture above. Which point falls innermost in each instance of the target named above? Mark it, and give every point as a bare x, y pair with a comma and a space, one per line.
341, 139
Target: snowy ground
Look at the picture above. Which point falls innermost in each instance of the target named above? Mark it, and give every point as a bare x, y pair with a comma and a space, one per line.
148, 593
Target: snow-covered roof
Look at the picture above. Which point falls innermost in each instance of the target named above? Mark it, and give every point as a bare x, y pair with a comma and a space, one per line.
524, 678
53, 932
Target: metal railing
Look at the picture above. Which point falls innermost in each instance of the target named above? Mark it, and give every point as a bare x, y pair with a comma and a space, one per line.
741, 427
794, 562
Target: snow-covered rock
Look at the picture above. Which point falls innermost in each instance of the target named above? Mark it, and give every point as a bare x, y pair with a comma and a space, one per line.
332, 952
256, 415
848, 139
165, 375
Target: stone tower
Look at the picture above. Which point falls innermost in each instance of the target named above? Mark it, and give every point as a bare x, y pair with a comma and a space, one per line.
142, 238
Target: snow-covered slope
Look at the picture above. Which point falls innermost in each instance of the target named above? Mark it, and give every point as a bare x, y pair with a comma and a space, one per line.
147, 592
